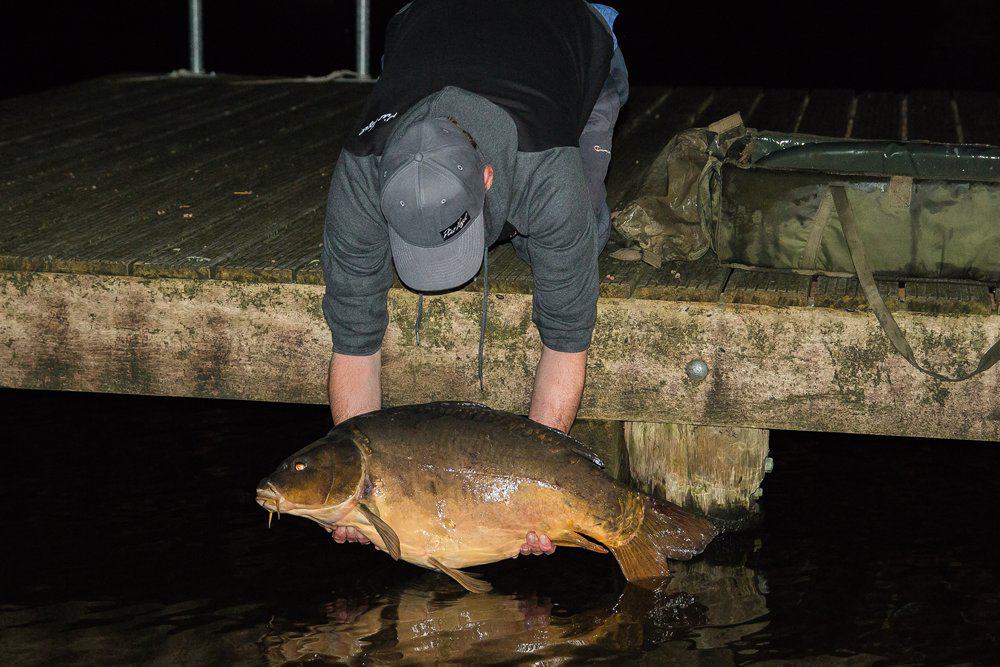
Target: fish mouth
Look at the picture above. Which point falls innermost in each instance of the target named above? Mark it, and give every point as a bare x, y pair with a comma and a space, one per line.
272, 500
269, 498
269, 503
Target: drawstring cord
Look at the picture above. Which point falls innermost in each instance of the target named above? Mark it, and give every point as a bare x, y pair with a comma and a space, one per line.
482, 319
420, 315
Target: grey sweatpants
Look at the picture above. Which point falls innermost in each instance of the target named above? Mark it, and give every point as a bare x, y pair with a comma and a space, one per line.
595, 143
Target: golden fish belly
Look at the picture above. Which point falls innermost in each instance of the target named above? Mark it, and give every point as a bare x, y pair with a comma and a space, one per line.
473, 520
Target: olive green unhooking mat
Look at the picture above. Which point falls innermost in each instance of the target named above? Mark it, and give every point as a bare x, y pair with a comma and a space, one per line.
819, 205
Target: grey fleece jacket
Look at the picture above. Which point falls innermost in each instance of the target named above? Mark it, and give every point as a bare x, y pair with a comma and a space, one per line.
543, 194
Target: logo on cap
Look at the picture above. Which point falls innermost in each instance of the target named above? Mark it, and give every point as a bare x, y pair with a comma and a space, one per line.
456, 226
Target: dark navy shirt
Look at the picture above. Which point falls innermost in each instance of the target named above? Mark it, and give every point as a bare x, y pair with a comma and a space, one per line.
522, 77
544, 62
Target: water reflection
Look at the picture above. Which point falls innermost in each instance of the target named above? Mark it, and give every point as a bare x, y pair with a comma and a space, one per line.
133, 540
430, 619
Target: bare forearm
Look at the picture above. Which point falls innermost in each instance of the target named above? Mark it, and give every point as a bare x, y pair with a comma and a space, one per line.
355, 386
559, 383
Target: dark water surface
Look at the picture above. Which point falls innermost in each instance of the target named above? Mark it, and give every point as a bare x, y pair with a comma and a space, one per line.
130, 535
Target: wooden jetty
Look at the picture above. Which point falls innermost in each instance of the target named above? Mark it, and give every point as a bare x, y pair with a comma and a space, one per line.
162, 236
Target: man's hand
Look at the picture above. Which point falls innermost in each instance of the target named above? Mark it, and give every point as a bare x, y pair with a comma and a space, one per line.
558, 388
355, 385
341, 534
536, 545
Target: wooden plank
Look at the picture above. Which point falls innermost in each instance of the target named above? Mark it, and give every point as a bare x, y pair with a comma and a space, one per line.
828, 113
46, 100
144, 151
948, 298
779, 110
300, 183
297, 249
878, 116
508, 272
979, 116
643, 102
273, 161
270, 258
618, 278
727, 101
700, 280
846, 294
929, 117
283, 233
767, 288
219, 111
52, 177
137, 111
678, 281
633, 154
641, 111
813, 369
40, 210
310, 272
56, 106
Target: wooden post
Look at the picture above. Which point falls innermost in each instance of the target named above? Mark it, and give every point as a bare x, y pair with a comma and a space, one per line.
606, 438
715, 470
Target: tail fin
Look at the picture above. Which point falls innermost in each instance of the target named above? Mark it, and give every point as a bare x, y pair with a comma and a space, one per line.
666, 531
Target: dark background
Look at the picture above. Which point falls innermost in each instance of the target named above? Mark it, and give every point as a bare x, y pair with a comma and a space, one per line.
861, 45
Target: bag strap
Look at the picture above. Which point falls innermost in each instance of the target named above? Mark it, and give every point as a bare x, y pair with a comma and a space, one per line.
866, 277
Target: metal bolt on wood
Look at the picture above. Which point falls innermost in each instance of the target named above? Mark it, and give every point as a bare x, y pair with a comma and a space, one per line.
696, 369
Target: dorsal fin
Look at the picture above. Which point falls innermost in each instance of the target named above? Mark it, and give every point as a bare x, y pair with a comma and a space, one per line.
573, 444
578, 447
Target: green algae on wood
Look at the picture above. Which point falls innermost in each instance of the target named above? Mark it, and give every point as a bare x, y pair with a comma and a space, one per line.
791, 368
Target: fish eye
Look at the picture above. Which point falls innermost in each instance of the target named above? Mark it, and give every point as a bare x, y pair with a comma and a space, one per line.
299, 466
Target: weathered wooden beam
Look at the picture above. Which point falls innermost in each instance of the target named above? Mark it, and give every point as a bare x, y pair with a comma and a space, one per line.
711, 469
790, 368
957, 298
768, 288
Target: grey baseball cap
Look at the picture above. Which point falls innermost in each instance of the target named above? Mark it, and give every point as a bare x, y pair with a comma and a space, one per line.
432, 197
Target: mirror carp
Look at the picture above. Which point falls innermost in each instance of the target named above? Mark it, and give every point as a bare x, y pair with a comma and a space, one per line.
453, 485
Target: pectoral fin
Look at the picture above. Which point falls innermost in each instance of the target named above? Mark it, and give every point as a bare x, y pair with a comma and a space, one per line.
577, 540
387, 534
469, 582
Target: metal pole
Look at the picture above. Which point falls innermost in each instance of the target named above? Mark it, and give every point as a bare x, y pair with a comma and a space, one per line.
194, 31
361, 43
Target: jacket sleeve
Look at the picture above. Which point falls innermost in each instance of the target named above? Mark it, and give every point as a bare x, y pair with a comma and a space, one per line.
562, 250
357, 263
